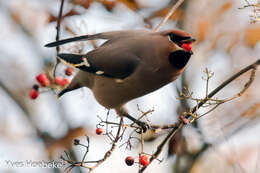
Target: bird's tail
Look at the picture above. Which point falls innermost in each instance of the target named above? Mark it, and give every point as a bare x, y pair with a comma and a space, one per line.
68, 40
72, 86
73, 39
63, 92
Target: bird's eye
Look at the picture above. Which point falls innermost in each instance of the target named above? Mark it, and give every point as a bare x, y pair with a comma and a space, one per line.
176, 38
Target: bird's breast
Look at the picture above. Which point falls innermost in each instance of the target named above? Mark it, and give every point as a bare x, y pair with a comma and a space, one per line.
112, 93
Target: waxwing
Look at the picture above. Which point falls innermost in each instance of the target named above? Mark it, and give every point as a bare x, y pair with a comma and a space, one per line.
130, 64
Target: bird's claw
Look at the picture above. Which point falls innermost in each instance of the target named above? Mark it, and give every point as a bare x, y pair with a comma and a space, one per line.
143, 127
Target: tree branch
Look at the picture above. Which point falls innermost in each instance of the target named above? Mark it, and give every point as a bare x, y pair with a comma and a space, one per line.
58, 36
181, 124
172, 10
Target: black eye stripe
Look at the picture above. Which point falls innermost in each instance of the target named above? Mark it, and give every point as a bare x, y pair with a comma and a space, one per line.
176, 38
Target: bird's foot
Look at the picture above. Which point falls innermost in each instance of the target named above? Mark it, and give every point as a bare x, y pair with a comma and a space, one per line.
143, 126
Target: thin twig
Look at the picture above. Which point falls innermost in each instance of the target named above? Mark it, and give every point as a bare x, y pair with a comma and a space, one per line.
87, 149
58, 36
144, 114
252, 77
58, 24
172, 10
108, 153
212, 109
142, 141
180, 123
98, 162
162, 144
225, 83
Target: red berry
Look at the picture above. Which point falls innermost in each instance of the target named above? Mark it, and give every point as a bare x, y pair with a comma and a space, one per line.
143, 160
129, 160
99, 131
65, 81
33, 93
43, 79
58, 81
187, 46
68, 71
61, 82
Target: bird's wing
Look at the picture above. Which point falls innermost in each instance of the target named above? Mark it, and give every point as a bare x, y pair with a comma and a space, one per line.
105, 35
108, 65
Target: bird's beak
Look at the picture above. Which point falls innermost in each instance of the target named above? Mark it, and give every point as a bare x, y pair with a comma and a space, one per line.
188, 40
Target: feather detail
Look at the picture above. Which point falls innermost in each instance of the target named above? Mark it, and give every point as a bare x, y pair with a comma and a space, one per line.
81, 62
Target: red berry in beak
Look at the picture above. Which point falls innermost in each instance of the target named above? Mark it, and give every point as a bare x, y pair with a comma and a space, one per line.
187, 46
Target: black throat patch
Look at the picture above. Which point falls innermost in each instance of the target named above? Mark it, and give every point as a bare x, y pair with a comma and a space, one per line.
179, 58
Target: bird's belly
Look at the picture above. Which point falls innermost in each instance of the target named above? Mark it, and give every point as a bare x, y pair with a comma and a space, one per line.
111, 93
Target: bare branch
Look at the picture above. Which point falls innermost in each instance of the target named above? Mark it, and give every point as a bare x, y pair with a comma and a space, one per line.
58, 36
58, 25
180, 123
172, 10
98, 162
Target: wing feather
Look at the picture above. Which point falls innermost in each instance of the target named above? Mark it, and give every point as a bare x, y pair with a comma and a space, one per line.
111, 67
105, 35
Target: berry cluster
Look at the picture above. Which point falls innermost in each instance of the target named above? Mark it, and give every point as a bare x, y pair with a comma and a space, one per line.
46, 81
143, 160
129, 160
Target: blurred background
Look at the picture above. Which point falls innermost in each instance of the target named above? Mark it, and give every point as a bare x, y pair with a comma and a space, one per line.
226, 140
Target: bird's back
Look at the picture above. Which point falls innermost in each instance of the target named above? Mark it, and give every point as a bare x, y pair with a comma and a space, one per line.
152, 72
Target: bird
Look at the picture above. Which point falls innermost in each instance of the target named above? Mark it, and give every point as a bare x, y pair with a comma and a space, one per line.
128, 65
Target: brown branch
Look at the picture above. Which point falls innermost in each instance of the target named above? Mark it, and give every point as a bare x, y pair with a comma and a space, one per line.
58, 24
172, 10
108, 153
58, 35
181, 124
252, 77
225, 83
208, 98
255, 17
162, 144
98, 162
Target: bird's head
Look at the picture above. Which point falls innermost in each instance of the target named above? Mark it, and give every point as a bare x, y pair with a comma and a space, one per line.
182, 47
